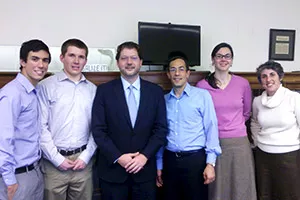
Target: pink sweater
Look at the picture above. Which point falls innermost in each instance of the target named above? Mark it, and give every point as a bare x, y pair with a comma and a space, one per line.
232, 105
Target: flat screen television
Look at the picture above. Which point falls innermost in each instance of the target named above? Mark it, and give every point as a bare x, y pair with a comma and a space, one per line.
158, 40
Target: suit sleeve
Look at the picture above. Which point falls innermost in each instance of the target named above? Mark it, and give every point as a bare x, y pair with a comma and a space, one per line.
100, 128
159, 131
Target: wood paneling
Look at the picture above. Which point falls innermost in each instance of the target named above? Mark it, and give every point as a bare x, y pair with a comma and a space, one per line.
101, 77
290, 80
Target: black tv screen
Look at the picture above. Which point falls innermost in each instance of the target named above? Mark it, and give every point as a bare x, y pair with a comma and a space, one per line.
158, 40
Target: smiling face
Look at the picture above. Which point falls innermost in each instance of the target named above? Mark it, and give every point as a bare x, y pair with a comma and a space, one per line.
178, 73
129, 64
36, 66
222, 59
270, 81
74, 60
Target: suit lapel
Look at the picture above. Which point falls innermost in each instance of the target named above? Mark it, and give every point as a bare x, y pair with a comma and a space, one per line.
121, 101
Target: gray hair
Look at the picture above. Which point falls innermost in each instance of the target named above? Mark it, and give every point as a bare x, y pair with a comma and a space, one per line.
270, 65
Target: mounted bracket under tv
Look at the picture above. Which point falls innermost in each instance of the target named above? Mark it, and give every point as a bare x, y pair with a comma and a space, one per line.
158, 40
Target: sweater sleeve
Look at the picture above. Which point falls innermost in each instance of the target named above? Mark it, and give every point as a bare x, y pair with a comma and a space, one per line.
255, 126
247, 101
297, 108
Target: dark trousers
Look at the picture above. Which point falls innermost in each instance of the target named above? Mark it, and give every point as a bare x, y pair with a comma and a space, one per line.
183, 176
278, 175
128, 190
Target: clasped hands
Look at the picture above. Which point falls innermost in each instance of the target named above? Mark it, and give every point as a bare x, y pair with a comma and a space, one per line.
77, 164
132, 162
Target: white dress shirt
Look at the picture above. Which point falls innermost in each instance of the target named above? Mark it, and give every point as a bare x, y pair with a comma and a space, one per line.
66, 116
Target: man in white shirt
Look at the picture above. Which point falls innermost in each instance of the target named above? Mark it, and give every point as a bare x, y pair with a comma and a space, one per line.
66, 99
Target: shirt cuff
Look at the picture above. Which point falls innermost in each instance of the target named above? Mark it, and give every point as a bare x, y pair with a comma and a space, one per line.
85, 156
116, 161
211, 158
9, 179
58, 160
159, 164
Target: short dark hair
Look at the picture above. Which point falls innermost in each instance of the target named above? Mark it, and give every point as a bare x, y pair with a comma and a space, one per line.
220, 46
129, 45
270, 65
34, 45
177, 55
76, 43
210, 78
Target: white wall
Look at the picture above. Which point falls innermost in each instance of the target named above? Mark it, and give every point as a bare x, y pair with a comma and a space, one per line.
104, 24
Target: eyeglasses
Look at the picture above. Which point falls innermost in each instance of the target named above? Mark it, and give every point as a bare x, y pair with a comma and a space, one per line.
226, 56
179, 69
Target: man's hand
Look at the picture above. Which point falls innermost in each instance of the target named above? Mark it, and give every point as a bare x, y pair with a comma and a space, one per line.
67, 164
136, 164
159, 181
126, 158
209, 174
11, 190
79, 164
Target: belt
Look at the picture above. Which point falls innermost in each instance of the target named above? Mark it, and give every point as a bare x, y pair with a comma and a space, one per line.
179, 154
26, 168
68, 153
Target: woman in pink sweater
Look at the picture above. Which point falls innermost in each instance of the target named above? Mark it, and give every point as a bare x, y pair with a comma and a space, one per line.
231, 94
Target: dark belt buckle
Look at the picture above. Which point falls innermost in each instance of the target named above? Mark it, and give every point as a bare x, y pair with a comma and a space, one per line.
178, 154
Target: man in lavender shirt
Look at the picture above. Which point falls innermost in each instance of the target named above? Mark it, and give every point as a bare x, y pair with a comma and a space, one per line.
20, 175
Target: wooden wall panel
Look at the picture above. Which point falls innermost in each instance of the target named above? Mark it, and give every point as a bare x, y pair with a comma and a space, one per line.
290, 80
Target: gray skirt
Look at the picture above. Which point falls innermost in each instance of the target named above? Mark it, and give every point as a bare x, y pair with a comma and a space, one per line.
235, 176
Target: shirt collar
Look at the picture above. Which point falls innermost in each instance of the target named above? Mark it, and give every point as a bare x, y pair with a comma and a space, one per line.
186, 90
136, 84
25, 83
63, 76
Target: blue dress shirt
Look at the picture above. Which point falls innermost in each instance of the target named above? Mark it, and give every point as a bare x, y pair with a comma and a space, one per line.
136, 89
192, 123
20, 127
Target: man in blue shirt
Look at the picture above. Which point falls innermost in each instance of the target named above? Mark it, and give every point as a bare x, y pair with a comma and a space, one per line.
20, 175
189, 157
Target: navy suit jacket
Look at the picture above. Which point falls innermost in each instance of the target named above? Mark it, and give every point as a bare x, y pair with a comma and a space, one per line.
114, 134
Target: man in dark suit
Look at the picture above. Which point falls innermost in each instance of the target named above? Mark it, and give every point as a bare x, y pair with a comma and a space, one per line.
129, 126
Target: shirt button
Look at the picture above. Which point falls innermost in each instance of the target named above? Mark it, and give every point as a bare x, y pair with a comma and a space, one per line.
175, 122
176, 110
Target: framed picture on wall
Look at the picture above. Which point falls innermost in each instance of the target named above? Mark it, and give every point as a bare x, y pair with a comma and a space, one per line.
282, 44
